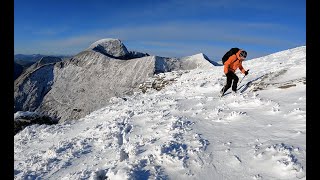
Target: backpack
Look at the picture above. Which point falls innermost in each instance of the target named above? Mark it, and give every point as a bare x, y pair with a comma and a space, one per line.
229, 53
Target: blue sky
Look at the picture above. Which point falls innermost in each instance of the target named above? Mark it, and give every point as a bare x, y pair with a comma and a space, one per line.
171, 28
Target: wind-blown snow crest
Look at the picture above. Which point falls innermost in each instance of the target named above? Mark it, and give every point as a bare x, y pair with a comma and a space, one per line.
196, 61
183, 131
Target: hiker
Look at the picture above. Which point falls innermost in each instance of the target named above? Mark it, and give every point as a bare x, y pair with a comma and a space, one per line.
230, 66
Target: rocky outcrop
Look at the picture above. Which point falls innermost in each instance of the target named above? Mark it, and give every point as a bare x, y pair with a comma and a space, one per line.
24, 119
135, 54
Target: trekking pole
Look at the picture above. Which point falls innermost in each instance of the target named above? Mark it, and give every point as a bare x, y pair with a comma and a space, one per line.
242, 78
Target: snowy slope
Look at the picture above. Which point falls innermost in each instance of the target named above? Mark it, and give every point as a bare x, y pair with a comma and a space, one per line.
183, 131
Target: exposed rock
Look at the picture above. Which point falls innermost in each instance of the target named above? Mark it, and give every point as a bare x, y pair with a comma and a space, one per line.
24, 119
160, 81
135, 54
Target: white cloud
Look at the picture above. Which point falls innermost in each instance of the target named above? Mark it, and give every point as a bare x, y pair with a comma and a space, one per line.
192, 35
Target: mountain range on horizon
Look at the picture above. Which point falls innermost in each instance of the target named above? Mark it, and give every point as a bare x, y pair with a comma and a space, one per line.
24, 61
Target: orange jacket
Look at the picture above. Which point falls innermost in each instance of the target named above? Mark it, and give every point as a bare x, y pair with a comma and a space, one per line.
233, 63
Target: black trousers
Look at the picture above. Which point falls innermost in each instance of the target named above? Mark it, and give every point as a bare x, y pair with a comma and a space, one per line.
232, 80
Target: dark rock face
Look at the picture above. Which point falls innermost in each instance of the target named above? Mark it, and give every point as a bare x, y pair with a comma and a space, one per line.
17, 70
134, 54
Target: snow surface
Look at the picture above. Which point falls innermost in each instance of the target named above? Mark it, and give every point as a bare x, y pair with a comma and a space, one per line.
184, 131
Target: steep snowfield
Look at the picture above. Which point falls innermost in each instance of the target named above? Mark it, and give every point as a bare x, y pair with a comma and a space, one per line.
183, 131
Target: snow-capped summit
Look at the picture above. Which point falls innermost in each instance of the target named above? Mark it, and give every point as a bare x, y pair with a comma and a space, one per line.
109, 46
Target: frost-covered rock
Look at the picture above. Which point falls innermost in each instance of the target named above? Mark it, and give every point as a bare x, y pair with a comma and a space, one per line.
23, 119
135, 54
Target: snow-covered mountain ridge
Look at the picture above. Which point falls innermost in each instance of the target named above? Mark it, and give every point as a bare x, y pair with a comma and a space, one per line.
73, 88
183, 131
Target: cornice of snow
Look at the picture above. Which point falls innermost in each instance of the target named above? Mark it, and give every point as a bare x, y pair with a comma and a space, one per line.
197, 56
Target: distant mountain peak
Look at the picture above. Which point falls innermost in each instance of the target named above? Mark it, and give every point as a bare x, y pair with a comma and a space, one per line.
110, 46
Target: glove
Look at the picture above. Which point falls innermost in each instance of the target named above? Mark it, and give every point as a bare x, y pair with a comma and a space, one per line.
246, 72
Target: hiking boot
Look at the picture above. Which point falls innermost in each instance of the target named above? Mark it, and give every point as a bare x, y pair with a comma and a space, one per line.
221, 92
